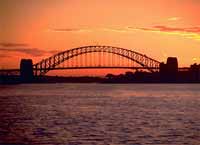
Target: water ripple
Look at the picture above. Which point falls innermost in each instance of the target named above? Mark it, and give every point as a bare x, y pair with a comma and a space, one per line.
100, 114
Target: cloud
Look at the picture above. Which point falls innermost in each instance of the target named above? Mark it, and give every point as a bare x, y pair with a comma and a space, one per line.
119, 30
3, 55
196, 59
35, 52
70, 30
53, 51
80, 30
9, 47
174, 18
10, 44
187, 32
176, 29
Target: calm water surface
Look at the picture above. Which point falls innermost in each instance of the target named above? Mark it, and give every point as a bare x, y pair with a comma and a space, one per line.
100, 114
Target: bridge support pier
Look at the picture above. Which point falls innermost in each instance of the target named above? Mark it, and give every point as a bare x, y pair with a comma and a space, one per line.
26, 70
168, 71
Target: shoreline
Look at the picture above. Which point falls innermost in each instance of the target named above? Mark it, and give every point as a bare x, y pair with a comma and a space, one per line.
9, 80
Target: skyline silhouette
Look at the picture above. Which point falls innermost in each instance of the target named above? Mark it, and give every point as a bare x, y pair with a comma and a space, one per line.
142, 68
39, 29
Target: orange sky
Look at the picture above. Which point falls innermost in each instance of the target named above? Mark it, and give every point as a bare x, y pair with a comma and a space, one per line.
158, 28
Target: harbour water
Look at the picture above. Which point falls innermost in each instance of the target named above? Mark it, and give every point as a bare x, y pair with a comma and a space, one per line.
100, 114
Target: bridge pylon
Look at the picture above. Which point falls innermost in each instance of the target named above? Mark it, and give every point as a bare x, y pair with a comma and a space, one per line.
26, 70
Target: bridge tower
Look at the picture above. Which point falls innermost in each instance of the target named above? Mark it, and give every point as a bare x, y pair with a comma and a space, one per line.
168, 71
26, 70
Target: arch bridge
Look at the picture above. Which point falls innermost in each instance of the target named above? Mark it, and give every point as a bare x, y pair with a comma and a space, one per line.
86, 58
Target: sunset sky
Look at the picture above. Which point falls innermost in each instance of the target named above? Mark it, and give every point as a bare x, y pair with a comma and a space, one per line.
158, 28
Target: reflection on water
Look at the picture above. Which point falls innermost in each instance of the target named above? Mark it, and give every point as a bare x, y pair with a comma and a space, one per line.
101, 114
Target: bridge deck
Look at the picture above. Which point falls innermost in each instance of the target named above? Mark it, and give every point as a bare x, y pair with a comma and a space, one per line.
101, 67
11, 71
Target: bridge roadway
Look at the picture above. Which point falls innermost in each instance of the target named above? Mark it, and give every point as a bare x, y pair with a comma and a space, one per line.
101, 67
17, 71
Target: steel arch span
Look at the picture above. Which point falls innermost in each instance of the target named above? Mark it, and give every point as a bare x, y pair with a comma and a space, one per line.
50, 63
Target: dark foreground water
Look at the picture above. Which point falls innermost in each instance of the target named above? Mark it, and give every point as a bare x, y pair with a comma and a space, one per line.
102, 114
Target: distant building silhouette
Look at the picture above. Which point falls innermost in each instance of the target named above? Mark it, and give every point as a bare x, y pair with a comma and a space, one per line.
195, 72
26, 70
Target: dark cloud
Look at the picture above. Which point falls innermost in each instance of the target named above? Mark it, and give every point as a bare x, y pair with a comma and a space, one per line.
9, 44
187, 32
176, 29
30, 51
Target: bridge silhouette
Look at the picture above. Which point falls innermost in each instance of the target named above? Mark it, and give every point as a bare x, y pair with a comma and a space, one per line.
127, 59
91, 57
105, 57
